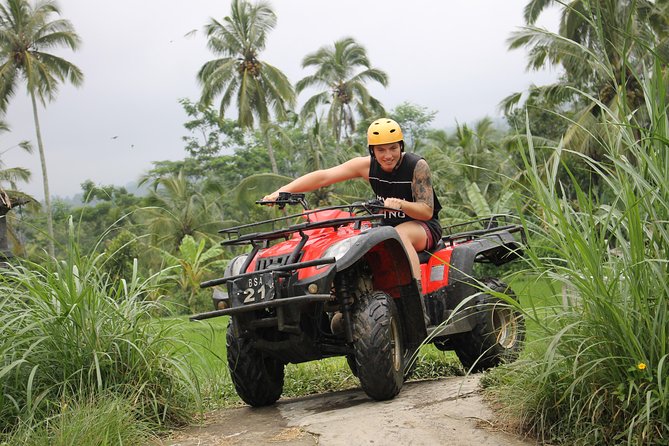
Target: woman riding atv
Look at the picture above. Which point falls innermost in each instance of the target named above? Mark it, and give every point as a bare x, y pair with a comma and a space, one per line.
401, 180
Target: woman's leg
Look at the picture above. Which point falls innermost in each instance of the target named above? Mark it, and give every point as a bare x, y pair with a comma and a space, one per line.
415, 238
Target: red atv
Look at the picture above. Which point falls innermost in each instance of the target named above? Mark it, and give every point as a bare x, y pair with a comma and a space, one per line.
336, 283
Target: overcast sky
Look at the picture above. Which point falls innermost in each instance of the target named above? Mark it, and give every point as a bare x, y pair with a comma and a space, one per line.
449, 56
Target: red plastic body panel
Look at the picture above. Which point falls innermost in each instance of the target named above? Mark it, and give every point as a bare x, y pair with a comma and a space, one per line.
434, 273
319, 241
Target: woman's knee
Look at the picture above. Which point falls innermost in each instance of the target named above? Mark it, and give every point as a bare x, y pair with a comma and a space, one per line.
414, 234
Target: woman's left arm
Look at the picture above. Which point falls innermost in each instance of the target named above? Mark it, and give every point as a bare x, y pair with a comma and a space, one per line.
421, 186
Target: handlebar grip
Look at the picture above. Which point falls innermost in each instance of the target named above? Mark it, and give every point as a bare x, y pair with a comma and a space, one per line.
285, 198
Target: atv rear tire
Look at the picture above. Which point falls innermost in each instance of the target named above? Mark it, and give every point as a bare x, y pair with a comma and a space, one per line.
378, 344
258, 378
498, 335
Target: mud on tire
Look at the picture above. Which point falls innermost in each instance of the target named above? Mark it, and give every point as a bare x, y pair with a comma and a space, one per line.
498, 335
258, 379
378, 343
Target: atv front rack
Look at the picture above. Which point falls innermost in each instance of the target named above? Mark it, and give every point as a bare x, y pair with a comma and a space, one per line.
282, 270
285, 233
235, 236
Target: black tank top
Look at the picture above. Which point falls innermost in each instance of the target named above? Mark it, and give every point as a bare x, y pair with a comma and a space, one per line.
397, 184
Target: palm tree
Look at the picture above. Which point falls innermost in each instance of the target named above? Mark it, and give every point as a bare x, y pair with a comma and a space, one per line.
180, 208
469, 170
589, 30
337, 69
193, 263
258, 87
480, 160
12, 175
26, 32
600, 45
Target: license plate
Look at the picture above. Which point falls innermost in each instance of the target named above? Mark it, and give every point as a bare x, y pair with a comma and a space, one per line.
253, 289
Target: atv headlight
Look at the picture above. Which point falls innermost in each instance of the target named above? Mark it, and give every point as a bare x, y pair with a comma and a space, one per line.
339, 249
236, 265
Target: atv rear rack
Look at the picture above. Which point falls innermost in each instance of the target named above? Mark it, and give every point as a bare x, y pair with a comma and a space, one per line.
491, 225
471, 235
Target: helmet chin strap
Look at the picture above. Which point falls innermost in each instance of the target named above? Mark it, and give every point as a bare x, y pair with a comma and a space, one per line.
399, 161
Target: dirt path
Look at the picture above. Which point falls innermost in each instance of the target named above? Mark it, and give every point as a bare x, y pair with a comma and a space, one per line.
446, 411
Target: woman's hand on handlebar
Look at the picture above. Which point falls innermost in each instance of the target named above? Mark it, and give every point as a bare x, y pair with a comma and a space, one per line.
393, 203
271, 197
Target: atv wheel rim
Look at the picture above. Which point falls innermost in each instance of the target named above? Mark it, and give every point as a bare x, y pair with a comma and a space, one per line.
395, 347
504, 321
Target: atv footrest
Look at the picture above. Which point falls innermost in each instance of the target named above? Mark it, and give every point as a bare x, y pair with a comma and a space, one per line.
307, 298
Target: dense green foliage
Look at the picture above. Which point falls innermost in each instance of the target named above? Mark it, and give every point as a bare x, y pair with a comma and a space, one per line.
583, 162
72, 333
27, 33
599, 372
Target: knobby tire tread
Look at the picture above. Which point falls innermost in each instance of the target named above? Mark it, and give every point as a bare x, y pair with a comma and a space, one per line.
373, 346
258, 379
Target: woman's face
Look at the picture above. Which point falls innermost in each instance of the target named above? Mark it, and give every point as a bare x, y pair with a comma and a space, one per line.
388, 155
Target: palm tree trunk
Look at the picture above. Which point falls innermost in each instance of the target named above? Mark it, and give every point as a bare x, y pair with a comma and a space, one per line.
45, 179
270, 151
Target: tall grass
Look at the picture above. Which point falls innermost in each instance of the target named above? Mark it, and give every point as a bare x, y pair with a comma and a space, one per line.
69, 333
602, 375
103, 421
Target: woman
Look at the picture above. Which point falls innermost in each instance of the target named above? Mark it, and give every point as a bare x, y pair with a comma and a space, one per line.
401, 180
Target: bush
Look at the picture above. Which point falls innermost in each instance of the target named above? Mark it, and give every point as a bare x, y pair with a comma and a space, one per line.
68, 332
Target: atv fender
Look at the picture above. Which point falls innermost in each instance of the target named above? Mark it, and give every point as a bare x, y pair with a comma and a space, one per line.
382, 250
497, 248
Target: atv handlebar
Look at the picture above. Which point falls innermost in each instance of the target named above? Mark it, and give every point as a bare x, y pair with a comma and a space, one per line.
286, 198
371, 206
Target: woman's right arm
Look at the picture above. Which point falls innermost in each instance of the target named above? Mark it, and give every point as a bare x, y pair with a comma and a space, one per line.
354, 168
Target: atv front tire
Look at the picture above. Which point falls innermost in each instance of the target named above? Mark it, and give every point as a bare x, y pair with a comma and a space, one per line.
378, 344
498, 335
258, 378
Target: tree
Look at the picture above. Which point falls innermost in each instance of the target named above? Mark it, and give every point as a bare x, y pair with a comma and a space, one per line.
413, 120
601, 45
11, 175
191, 264
259, 88
26, 33
470, 171
209, 133
180, 208
337, 70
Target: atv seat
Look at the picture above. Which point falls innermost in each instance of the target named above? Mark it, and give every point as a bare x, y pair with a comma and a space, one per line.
424, 256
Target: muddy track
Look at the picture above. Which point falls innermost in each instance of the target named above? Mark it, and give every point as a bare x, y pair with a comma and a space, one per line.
447, 411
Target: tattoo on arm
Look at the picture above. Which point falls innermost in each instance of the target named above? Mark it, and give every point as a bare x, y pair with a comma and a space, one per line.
422, 184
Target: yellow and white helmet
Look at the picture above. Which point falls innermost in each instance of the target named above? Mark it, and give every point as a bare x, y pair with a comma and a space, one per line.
384, 131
